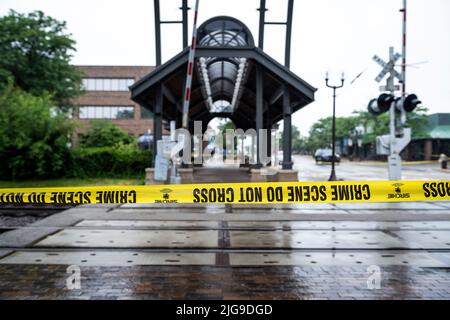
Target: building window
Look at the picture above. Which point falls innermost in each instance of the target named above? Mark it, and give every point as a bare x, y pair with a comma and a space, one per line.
145, 113
106, 112
106, 84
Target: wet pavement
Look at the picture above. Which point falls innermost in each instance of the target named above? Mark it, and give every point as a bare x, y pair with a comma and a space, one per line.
365, 170
206, 282
261, 252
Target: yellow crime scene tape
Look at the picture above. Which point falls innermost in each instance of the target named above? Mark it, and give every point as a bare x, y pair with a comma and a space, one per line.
237, 193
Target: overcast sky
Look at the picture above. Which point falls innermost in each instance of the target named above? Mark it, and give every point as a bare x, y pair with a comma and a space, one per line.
328, 35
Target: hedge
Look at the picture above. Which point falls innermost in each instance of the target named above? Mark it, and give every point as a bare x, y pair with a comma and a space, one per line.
117, 161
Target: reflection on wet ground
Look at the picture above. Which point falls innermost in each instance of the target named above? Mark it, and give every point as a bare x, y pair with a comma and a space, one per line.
207, 282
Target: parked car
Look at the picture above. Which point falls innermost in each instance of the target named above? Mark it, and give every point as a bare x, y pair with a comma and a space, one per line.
325, 155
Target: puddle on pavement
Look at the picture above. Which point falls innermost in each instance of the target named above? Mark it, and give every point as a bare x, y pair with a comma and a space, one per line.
314, 239
131, 239
148, 224
105, 258
335, 259
304, 258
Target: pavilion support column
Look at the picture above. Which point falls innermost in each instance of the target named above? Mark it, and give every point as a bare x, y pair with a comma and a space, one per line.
428, 150
157, 133
178, 115
255, 172
259, 111
157, 118
157, 32
185, 9
252, 155
269, 132
287, 130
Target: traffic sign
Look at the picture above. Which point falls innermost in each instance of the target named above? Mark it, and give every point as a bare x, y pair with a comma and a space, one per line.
387, 67
380, 61
384, 88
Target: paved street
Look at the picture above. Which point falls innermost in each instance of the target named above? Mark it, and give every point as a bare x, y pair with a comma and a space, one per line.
365, 170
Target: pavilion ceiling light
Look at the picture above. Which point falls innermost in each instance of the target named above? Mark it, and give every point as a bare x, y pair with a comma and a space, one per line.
205, 75
239, 77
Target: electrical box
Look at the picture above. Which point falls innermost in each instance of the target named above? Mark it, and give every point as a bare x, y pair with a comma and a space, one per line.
164, 148
161, 168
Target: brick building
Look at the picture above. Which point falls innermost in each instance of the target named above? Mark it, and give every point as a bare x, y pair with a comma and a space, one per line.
107, 97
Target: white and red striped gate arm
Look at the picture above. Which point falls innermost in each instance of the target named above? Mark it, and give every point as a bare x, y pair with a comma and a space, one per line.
404, 10
190, 69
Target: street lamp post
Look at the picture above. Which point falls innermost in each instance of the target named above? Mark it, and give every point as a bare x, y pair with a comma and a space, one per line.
333, 155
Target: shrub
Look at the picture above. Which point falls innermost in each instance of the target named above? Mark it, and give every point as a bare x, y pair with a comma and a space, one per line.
121, 160
33, 141
105, 134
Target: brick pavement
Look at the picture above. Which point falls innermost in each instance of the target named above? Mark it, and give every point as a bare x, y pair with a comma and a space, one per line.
208, 282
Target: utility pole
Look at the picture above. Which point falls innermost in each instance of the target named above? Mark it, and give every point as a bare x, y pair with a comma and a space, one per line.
394, 160
403, 81
396, 106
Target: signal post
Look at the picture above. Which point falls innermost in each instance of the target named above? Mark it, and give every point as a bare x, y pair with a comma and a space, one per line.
399, 136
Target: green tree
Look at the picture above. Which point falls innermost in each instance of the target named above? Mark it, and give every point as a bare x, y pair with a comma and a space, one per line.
223, 127
373, 125
34, 141
226, 125
297, 143
35, 55
418, 122
320, 132
105, 134
379, 125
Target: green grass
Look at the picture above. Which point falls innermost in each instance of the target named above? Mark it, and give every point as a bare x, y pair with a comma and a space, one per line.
72, 182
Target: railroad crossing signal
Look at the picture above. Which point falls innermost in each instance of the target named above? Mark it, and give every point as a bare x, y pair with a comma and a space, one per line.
384, 102
409, 103
380, 105
387, 67
392, 144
